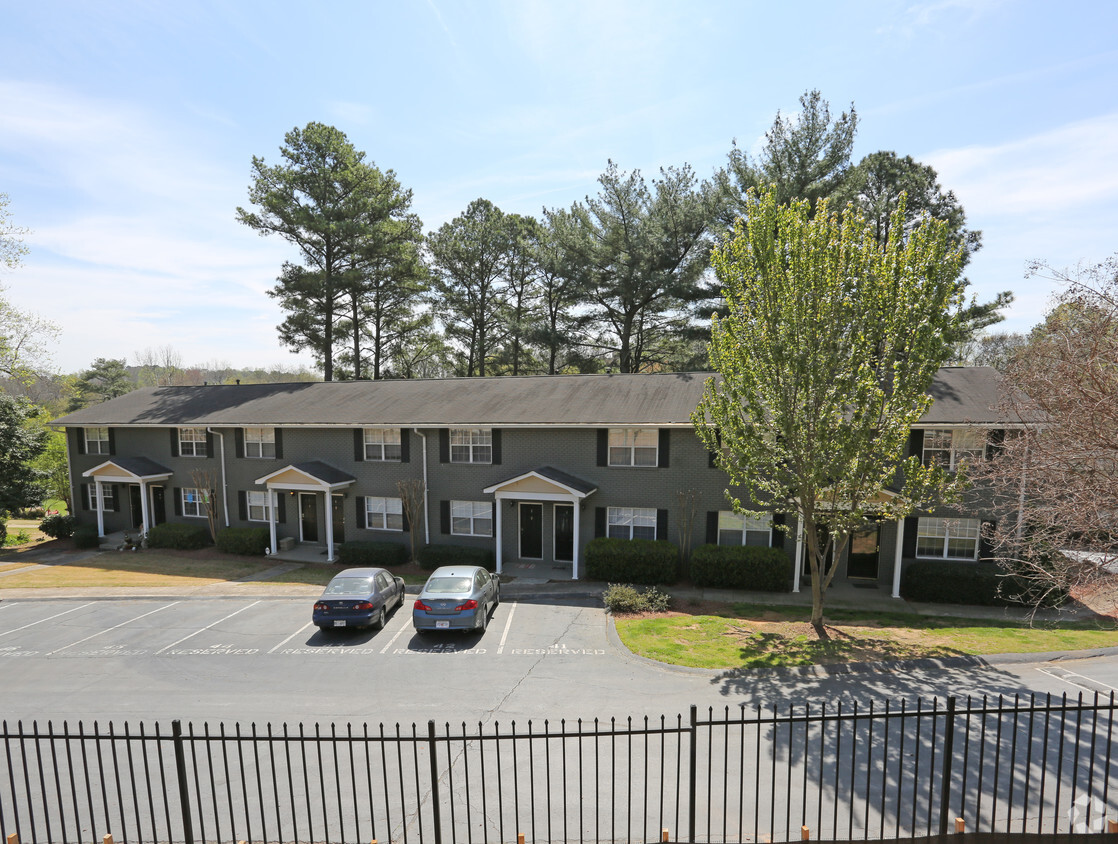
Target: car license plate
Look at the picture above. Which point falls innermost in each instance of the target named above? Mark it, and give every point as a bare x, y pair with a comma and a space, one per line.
339, 622
442, 625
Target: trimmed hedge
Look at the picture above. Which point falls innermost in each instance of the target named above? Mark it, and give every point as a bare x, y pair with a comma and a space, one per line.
178, 536
433, 556
85, 536
58, 527
363, 554
644, 561
741, 567
952, 582
247, 541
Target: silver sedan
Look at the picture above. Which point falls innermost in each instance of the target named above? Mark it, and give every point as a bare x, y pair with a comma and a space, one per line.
456, 598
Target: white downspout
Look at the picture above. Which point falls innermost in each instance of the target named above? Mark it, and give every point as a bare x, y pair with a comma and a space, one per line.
100, 490
426, 520
799, 553
224, 486
898, 551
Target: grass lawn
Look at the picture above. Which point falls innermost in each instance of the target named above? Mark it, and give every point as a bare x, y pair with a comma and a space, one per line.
146, 568
754, 636
318, 574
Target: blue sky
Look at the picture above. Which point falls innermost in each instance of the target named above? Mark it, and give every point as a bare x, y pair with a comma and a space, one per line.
127, 129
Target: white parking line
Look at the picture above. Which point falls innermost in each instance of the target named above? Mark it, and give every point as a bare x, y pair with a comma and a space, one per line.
41, 620
292, 636
114, 627
1089, 684
207, 627
403, 627
508, 624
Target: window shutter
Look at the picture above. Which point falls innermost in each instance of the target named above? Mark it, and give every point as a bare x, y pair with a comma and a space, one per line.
174, 442
242, 505
712, 527
359, 444
362, 512
496, 446
599, 522
911, 525
661, 524
81, 440
995, 443
281, 508
209, 444
603, 448
279, 443
407, 521
239, 442
405, 445
444, 515
112, 442
444, 446
916, 444
176, 494
777, 537
986, 540
664, 451
85, 496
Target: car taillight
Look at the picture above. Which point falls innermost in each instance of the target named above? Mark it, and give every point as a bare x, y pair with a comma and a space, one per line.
469, 605
363, 606
419, 605
320, 607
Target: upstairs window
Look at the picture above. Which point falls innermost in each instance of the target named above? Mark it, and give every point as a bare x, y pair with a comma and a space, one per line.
739, 529
96, 440
631, 523
950, 447
948, 539
260, 442
192, 442
471, 445
382, 444
633, 446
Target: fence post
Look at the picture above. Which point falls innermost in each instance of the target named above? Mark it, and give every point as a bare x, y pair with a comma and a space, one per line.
180, 773
434, 782
948, 752
693, 775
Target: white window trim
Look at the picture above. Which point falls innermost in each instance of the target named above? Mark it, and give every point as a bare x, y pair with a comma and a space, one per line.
475, 439
266, 506
480, 510
379, 445
200, 504
631, 514
102, 444
959, 450
383, 512
109, 505
748, 525
629, 443
947, 524
264, 436
194, 444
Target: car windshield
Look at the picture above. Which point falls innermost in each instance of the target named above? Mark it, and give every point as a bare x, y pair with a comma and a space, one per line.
450, 584
350, 586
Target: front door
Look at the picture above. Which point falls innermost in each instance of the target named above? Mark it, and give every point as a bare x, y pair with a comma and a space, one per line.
158, 506
864, 546
308, 521
338, 518
531, 531
564, 533
135, 505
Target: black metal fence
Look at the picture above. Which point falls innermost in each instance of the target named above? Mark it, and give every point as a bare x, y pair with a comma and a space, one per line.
841, 771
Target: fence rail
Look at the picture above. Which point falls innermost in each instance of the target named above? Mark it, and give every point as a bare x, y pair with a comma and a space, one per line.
840, 771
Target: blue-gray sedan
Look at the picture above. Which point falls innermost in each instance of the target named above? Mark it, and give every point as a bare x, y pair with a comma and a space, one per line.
359, 598
456, 598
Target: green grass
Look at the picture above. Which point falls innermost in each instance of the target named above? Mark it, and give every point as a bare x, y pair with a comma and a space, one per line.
319, 574
124, 568
752, 636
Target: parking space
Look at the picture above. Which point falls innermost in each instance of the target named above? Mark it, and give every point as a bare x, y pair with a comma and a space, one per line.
277, 629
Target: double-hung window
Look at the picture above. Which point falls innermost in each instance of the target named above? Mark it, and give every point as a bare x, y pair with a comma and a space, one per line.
192, 442
950, 447
96, 440
260, 442
739, 529
193, 502
382, 444
384, 513
471, 518
631, 523
948, 539
108, 501
258, 506
471, 445
633, 446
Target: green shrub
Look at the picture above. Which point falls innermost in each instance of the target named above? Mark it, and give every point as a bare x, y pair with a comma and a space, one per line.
85, 536
21, 538
247, 541
956, 582
373, 554
621, 599
58, 527
31, 512
741, 567
632, 560
178, 536
433, 556
3, 530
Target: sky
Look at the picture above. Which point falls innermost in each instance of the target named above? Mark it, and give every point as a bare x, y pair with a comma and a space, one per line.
127, 130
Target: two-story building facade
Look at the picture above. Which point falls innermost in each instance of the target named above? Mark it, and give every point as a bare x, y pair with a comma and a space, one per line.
531, 467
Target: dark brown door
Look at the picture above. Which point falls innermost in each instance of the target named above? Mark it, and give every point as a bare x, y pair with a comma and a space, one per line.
531, 531
308, 511
338, 517
864, 547
135, 505
158, 506
564, 533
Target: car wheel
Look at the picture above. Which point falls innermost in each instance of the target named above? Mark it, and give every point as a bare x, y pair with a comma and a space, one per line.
382, 619
497, 595
483, 621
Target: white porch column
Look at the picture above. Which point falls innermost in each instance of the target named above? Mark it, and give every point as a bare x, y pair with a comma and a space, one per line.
897, 559
497, 527
145, 507
272, 503
799, 554
577, 547
100, 507
329, 527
